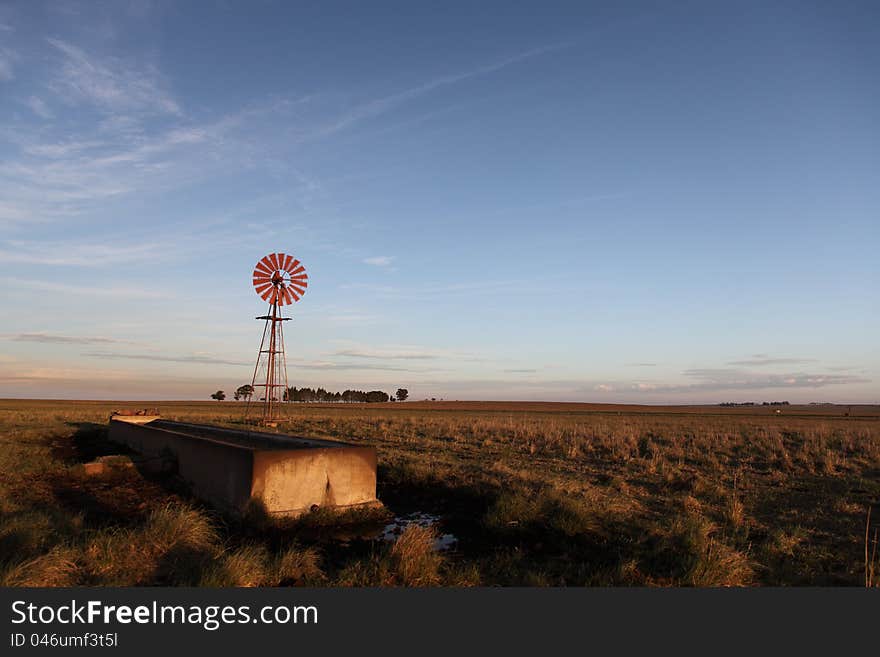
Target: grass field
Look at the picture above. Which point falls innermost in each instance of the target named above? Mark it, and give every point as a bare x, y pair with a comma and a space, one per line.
537, 494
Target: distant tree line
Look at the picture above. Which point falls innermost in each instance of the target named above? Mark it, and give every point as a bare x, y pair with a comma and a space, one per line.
295, 394
345, 397
774, 403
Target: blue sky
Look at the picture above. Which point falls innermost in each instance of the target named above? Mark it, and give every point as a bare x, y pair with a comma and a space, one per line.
556, 201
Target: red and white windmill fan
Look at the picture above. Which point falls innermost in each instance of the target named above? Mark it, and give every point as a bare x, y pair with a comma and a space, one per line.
280, 280
280, 277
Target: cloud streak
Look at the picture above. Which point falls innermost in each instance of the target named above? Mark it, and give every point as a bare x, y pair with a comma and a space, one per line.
115, 292
385, 104
39, 107
191, 359
379, 261
52, 338
76, 254
109, 83
760, 360
293, 364
7, 69
355, 367
728, 379
386, 354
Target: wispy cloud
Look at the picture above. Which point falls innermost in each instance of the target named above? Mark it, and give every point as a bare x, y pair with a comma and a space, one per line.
379, 261
521, 371
42, 374
197, 359
77, 254
760, 360
726, 380
293, 364
118, 292
54, 338
468, 288
7, 69
39, 107
385, 104
66, 177
109, 83
413, 353
729, 379
63, 173
330, 366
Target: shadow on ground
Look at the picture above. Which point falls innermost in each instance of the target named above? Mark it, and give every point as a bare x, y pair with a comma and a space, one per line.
121, 496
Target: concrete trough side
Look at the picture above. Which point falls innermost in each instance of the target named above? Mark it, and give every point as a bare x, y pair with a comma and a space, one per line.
229, 468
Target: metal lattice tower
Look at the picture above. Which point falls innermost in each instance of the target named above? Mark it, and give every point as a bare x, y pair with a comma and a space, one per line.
280, 280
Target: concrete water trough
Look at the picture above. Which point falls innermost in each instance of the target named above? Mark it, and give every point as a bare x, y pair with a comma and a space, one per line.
229, 468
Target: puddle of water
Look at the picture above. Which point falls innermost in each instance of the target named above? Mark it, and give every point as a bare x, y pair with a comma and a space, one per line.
395, 528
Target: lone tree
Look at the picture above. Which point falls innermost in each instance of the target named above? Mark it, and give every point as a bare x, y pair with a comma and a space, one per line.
402, 394
243, 392
219, 395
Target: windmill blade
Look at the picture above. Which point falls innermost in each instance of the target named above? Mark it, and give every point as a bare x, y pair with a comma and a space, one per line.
298, 270
286, 294
268, 264
286, 264
294, 294
275, 260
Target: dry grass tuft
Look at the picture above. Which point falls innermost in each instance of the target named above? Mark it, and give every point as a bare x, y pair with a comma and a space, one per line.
253, 565
415, 560
735, 512
525, 510
698, 557
246, 566
173, 545
871, 579
57, 568
298, 566
176, 525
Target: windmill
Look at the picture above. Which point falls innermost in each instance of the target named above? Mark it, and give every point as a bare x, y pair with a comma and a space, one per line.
280, 280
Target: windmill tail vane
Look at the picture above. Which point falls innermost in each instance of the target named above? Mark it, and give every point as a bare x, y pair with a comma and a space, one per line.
279, 280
